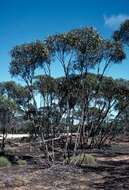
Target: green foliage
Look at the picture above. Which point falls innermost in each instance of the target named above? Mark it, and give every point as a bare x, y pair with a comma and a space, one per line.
4, 162
6, 103
113, 51
123, 33
15, 93
45, 84
26, 58
7, 108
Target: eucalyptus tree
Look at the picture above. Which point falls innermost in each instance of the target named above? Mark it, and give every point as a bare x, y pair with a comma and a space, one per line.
123, 104
21, 96
111, 52
68, 97
89, 48
48, 110
26, 59
122, 34
65, 48
108, 110
76, 53
123, 121
103, 110
7, 110
63, 53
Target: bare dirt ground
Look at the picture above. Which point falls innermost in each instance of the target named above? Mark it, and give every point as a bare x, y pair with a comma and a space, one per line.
110, 173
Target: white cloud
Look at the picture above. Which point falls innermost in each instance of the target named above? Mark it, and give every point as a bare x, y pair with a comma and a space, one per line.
114, 21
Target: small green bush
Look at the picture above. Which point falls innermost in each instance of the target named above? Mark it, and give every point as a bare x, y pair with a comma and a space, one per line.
22, 162
4, 162
83, 159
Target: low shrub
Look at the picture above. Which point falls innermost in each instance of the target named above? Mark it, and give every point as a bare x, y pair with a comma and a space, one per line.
83, 159
22, 162
4, 162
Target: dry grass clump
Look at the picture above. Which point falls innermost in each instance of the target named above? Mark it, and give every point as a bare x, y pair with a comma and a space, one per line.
83, 159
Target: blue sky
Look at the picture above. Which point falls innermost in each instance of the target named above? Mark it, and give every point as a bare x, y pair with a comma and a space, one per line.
27, 20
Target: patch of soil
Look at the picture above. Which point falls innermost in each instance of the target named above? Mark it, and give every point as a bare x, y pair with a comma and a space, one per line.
111, 172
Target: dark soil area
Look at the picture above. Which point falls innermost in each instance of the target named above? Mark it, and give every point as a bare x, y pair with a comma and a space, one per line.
111, 172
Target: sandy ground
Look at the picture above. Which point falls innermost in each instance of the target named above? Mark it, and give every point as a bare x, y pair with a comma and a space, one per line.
15, 136
110, 173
